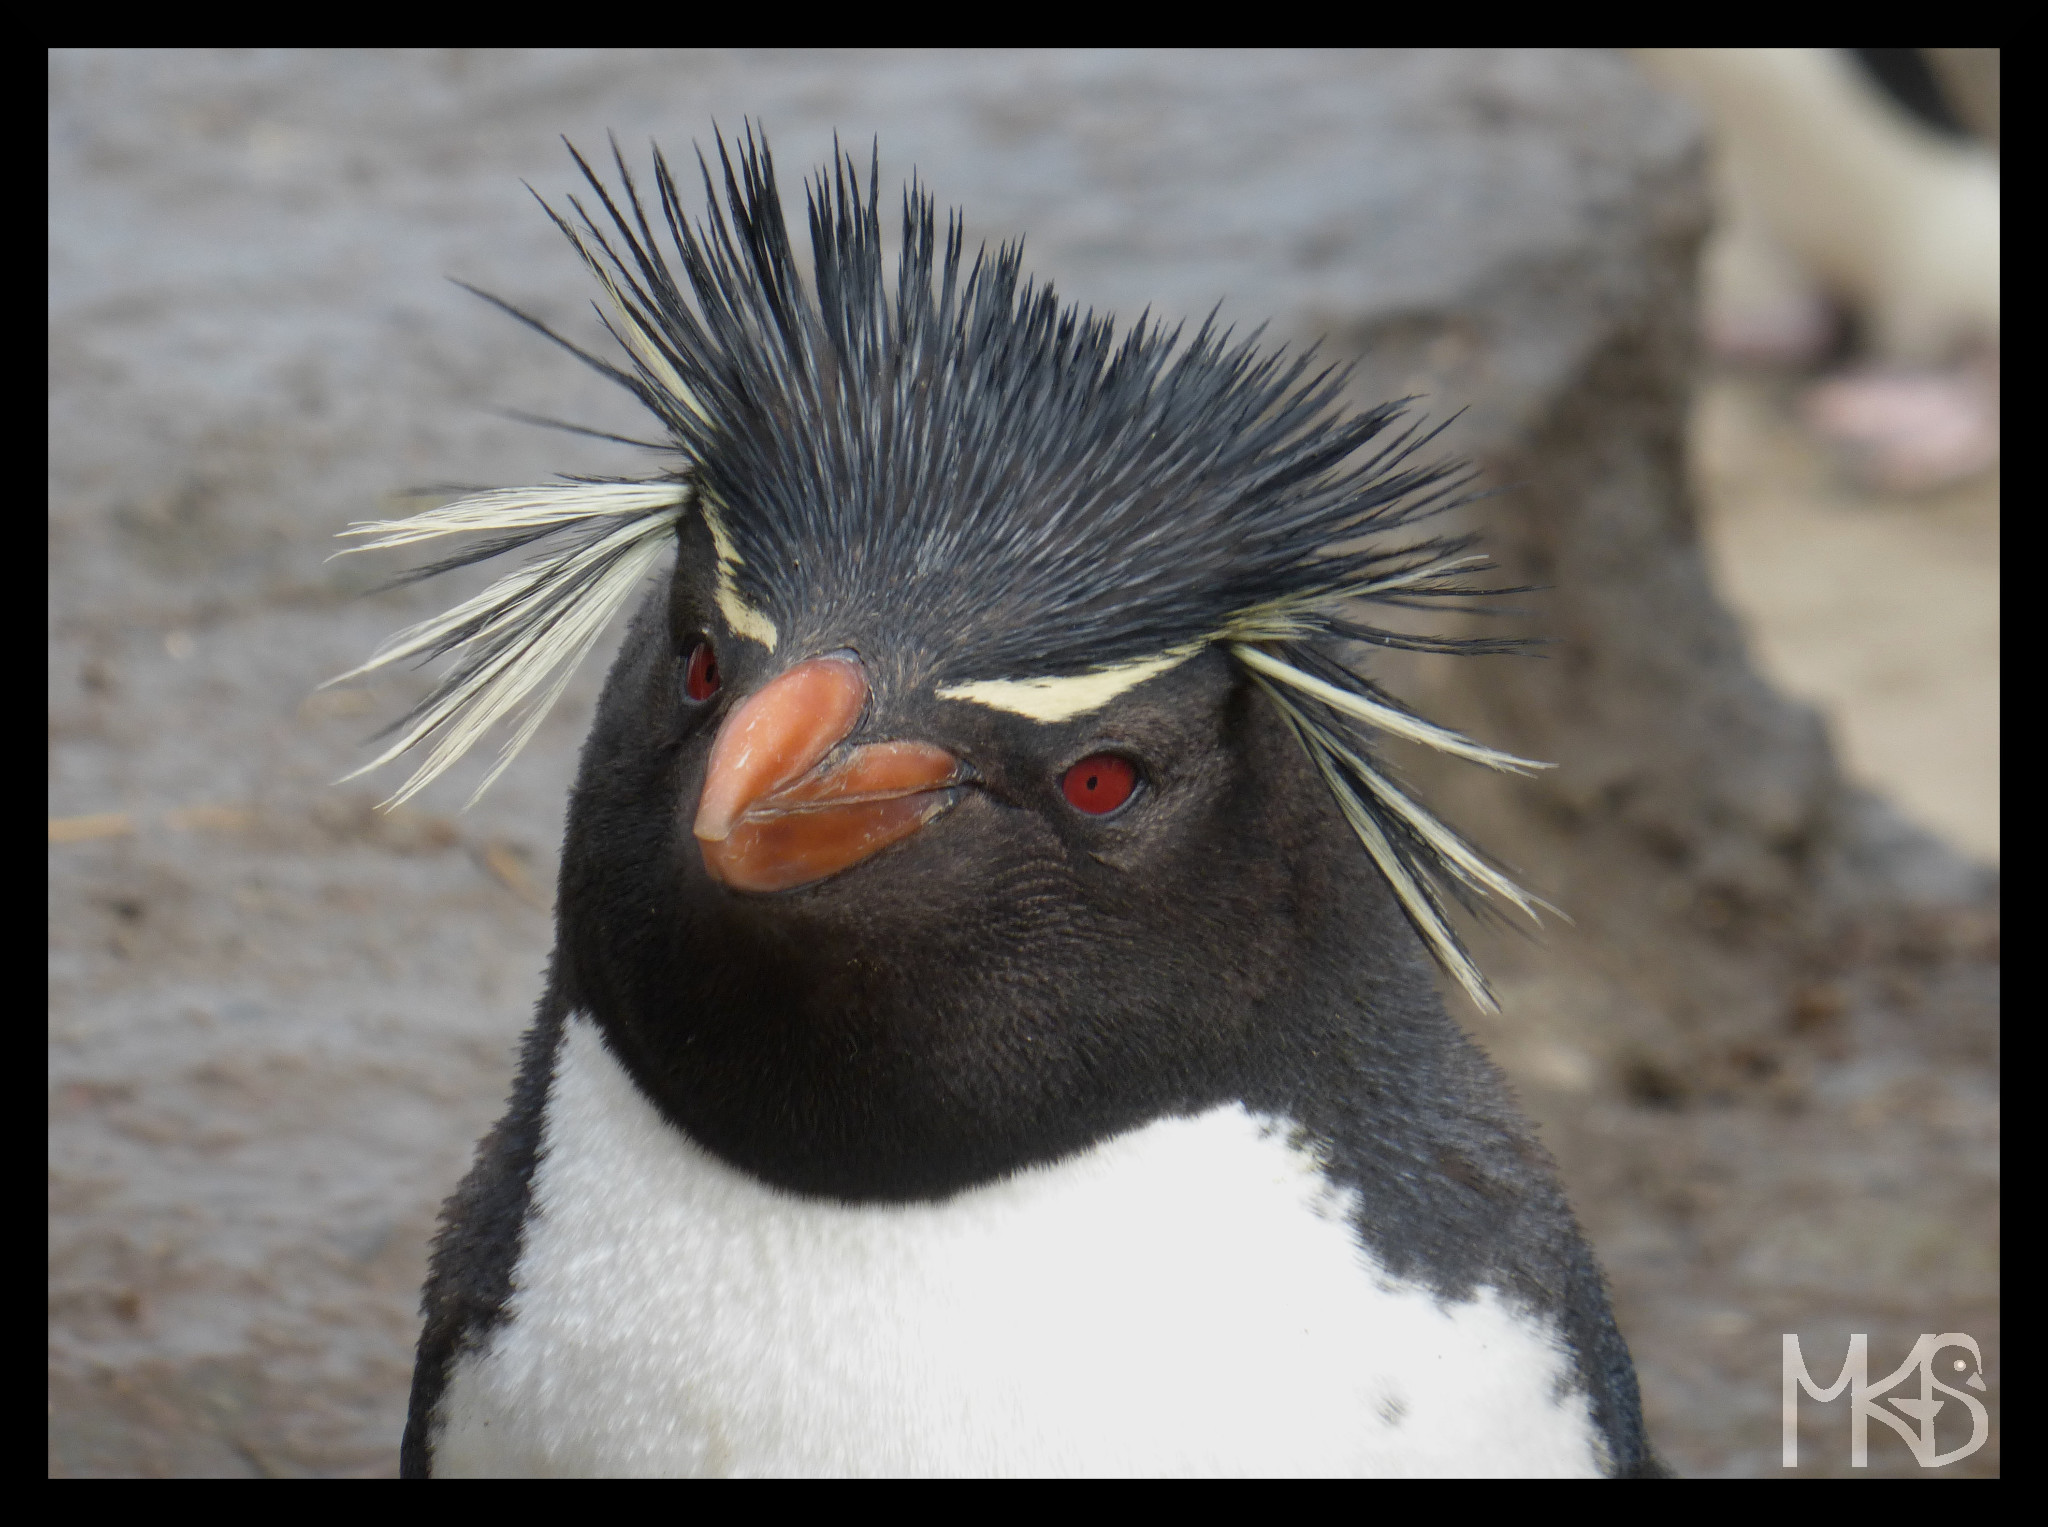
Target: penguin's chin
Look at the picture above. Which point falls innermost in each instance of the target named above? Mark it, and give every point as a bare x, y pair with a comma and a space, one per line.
832, 1072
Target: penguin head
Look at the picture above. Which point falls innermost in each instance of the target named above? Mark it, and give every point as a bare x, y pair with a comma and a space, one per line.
862, 939
993, 759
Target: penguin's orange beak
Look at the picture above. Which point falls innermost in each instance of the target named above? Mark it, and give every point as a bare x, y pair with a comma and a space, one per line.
784, 806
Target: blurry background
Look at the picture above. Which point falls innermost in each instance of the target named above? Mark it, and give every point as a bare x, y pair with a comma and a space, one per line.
1765, 1050
1846, 438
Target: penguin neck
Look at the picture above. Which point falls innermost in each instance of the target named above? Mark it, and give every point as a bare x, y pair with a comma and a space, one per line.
868, 1104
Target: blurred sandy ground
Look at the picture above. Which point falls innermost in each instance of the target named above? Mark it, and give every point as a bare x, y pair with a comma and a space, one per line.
1883, 611
1857, 242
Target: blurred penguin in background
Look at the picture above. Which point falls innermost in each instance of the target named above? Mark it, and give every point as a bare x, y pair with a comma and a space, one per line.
1858, 225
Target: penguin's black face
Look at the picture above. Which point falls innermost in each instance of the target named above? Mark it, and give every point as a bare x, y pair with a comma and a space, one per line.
1020, 934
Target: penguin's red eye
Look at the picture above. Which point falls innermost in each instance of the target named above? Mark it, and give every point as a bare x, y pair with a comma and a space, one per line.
700, 673
1099, 783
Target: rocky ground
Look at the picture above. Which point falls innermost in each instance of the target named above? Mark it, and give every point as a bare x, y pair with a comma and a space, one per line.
1853, 1186
279, 1019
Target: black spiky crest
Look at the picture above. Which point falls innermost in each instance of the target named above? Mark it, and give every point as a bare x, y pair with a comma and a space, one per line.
1017, 490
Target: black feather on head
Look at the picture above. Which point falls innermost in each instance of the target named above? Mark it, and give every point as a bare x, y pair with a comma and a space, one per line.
1019, 495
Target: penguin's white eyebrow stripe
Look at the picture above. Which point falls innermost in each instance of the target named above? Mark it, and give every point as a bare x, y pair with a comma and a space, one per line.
742, 617
1421, 907
1063, 697
550, 504
518, 642
1385, 717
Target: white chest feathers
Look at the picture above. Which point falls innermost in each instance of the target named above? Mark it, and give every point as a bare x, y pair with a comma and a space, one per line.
1186, 1299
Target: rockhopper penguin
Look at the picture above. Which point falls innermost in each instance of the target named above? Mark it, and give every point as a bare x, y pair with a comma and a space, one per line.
989, 1029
